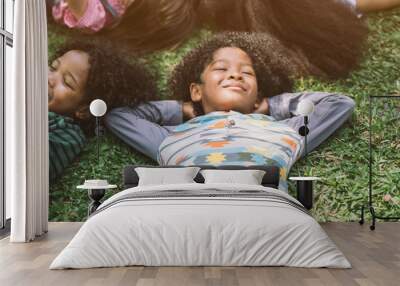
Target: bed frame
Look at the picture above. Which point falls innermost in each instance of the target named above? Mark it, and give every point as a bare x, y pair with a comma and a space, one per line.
270, 179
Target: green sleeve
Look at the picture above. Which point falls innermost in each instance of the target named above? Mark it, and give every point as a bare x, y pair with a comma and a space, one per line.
66, 141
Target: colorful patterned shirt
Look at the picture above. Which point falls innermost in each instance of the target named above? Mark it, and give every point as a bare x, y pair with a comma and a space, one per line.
231, 138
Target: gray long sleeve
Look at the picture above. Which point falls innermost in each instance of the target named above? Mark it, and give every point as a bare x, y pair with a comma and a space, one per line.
145, 126
330, 112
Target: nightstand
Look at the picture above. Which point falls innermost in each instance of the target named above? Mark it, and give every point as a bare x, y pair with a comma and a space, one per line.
305, 190
96, 191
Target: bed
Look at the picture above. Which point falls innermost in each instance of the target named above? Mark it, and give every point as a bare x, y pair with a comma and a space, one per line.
201, 224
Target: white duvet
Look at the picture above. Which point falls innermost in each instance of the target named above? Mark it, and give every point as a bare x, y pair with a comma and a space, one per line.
206, 230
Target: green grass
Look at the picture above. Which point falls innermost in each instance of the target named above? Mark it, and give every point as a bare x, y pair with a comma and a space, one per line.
342, 161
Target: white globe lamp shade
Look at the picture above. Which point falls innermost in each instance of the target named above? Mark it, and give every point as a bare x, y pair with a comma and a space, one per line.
98, 107
305, 107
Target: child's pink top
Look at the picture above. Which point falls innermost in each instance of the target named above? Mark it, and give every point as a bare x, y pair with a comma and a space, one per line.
95, 18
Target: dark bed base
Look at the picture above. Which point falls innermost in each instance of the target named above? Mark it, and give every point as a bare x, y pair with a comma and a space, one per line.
271, 178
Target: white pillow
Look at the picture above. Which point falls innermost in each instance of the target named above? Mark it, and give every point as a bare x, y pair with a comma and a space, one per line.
248, 177
166, 176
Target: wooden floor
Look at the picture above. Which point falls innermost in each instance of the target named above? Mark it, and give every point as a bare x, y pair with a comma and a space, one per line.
375, 256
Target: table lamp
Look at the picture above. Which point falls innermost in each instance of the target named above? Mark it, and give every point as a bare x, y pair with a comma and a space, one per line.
98, 108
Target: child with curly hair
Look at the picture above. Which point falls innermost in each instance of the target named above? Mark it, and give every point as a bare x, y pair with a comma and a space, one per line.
79, 73
235, 88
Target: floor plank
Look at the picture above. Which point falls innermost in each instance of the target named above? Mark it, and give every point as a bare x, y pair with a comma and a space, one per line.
374, 255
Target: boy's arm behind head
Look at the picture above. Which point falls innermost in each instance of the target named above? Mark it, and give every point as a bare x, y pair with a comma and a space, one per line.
145, 126
330, 112
263, 107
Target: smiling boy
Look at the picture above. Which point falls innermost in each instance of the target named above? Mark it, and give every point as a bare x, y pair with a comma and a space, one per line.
227, 83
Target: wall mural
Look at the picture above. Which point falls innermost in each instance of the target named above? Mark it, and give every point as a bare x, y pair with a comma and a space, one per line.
195, 82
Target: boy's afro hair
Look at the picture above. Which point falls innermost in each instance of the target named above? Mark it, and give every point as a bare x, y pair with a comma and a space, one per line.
113, 77
274, 65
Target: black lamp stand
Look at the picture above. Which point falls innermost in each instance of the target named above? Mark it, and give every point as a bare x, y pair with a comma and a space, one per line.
99, 132
303, 131
370, 205
97, 140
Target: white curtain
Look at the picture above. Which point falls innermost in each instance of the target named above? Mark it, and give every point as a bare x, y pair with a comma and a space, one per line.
27, 124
